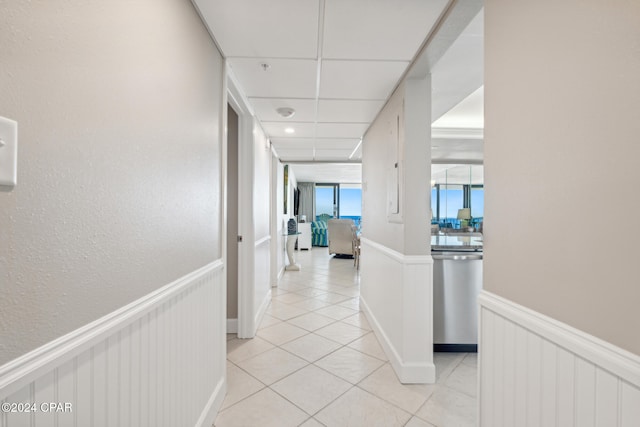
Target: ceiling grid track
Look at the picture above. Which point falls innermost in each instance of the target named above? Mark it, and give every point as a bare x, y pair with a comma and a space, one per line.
321, 9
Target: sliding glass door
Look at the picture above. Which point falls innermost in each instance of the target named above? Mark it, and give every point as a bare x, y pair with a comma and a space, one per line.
327, 199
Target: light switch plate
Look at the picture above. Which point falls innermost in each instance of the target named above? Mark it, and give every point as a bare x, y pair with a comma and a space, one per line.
8, 152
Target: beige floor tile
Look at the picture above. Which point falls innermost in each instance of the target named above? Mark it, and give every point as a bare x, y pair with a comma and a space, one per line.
369, 344
231, 336
464, 379
312, 422
311, 347
341, 332
336, 312
239, 385
272, 365
278, 291
284, 311
349, 364
359, 320
350, 292
332, 298
448, 408
311, 388
471, 359
357, 408
417, 422
290, 298
281, 333
265, 409
311, 304
446, 363
311, 292
267, 321
385, 384
311, 321
353, 303
239, 350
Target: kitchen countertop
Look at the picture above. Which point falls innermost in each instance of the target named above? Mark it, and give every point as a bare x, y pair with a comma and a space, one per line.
457, 242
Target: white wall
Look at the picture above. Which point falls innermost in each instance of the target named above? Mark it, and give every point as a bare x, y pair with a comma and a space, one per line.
396, 265
119, 160
119, 106
560, 263
561, 154
277, 239
261, 217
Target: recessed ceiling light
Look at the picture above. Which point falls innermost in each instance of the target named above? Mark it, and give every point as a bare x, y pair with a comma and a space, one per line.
289, 130
286, 112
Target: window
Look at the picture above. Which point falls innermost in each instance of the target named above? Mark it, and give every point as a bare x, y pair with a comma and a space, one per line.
455, 187
339, 201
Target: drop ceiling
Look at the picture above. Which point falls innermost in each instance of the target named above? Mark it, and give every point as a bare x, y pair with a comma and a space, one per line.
335, 62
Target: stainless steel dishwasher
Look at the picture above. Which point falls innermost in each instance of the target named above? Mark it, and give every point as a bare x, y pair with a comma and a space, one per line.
457, 281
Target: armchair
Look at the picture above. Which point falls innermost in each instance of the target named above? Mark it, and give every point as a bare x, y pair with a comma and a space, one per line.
341, 236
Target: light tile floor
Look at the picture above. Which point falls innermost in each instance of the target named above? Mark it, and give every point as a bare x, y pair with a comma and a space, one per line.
316, 362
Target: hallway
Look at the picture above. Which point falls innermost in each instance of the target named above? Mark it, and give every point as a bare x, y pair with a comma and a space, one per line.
315, 361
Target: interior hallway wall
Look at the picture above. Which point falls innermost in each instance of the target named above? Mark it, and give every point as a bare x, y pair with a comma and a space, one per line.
561, 161
118, 194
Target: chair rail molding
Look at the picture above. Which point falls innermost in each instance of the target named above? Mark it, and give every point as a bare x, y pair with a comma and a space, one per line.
535, 370
161, 356
397, 298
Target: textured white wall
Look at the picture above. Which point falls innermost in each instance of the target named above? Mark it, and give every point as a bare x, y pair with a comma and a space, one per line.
261, 192
561, 161
118, 105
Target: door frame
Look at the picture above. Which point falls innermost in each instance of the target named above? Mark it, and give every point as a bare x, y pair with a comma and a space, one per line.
246, 250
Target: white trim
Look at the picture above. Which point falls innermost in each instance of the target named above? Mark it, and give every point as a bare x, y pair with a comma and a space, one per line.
406, 372
397, 298
246, 251
210, 411
397, 256
232, 326
262, 241
21, 371
618, 361
262, 309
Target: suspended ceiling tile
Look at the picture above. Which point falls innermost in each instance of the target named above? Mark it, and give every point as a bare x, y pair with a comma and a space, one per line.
341, 130
301, 130
285, 78
265, 109
293, 143
271, 29
341, 155
383, 29
366, 80
337, 143
348, 110
294, 155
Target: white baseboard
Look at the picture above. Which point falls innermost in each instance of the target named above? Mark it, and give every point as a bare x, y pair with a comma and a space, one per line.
232, 326
159, 358
263, 308
396, 296
407, 372
535, 370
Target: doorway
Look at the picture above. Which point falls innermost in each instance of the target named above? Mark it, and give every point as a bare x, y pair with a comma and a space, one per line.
232, 219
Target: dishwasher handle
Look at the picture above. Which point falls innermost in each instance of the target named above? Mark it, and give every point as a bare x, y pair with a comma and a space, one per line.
457, 256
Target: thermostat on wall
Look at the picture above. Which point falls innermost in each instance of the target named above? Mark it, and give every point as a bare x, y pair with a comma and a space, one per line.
8, 152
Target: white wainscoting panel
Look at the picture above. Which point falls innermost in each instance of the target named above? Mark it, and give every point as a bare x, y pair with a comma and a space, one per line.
159, 361
536, 371
397, 297
262, 283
